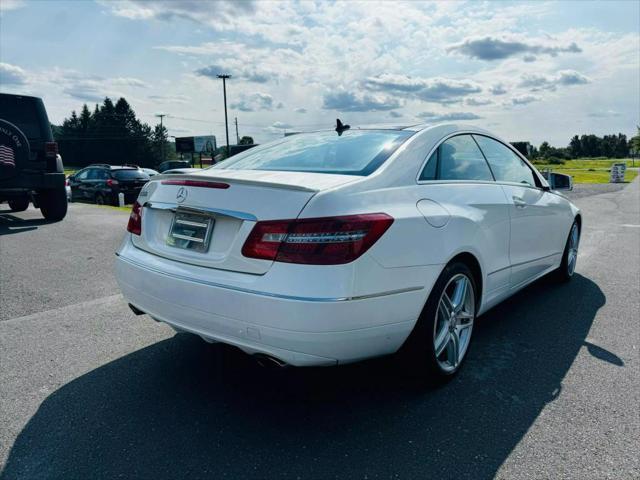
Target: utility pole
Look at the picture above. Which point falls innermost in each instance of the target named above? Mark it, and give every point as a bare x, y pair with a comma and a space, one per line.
237, 136
161, 115
226, 122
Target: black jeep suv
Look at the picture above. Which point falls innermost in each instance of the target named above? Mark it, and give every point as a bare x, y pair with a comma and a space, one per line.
30, 167
101, 183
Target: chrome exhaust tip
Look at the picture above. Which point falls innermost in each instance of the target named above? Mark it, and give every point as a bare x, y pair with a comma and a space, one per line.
267, 361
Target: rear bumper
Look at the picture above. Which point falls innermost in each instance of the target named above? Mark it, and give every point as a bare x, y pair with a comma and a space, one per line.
36, 181
249, 319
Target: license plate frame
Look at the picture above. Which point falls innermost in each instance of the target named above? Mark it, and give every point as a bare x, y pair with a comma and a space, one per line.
190, 230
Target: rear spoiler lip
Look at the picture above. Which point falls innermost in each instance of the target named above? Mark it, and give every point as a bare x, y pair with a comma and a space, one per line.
232, 181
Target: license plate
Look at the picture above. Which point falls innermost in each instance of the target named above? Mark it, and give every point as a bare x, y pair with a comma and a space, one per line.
190, 231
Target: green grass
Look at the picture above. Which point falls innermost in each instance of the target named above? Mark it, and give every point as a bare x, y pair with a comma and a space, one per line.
596, 170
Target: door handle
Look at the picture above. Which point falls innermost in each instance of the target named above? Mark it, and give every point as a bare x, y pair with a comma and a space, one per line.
519, 202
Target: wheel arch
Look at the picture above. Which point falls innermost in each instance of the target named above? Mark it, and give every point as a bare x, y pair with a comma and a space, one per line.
578, 220
471, 261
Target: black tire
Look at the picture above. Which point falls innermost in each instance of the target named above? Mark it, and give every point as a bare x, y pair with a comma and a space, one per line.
99, 200
53, 204
19, 204
566, 270
417, 356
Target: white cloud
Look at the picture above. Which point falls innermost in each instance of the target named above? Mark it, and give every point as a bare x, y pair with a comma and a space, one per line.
348, 101
477, 102
12, 75
523, 100
8, 5
129, 82
498, 89
177, 98
438, 90
536, 82
168, 10
493, 48
254, 102
447, 116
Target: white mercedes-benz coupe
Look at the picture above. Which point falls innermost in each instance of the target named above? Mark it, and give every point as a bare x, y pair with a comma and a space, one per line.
335, 246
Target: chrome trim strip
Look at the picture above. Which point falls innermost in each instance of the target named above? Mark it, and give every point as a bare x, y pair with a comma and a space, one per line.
219, 211
267, 294
187, 237
524, 263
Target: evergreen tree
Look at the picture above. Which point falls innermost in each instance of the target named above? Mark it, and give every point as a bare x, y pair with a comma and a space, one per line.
575, 147
111, 134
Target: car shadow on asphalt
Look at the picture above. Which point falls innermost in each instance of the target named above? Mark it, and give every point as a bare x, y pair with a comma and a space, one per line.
182, 408
11, 224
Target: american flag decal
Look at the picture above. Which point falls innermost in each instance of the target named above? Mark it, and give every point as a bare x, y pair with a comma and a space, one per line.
6, 156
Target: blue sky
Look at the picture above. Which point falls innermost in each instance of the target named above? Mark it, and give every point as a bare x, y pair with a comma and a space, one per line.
527, 70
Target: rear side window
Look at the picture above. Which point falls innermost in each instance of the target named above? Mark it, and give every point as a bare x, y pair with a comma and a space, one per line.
93, 174
430, 169
24, 113
461, 159
355, 152
132, 174
505, 164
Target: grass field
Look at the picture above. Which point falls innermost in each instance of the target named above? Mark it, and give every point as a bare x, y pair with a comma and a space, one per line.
588, 170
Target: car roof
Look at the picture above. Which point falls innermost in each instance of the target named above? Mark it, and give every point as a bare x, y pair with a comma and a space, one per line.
412, 127
3, 94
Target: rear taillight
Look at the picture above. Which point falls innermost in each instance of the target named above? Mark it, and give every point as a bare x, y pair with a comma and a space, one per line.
50, 149
316, 241
111, 182
135, 219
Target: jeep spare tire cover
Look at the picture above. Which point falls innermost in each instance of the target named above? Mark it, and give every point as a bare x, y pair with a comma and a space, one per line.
14, 150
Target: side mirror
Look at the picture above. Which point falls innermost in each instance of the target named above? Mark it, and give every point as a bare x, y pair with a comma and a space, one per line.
560, 181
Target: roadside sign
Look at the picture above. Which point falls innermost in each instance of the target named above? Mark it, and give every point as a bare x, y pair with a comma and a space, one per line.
617, 172
199, 144
184, 144
204, 144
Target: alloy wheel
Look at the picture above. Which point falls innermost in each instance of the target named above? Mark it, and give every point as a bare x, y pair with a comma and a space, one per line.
454, 322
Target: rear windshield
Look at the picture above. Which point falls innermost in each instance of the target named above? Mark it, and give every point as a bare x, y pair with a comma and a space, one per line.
130, 175
23, 112
355, 152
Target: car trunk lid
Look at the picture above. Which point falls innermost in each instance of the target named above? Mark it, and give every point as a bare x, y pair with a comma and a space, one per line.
218, 209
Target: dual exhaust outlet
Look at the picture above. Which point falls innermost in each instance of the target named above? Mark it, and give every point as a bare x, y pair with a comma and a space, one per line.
264, 360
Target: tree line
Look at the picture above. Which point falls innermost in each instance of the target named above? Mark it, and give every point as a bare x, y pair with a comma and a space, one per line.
610, 146
111, 134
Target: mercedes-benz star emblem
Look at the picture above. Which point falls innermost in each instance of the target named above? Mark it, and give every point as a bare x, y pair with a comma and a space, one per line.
181, 196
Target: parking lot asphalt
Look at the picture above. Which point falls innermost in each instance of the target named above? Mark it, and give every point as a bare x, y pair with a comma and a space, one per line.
88, 390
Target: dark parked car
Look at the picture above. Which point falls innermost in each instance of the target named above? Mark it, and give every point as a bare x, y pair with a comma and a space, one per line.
101, 183
30, 167
171, 164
